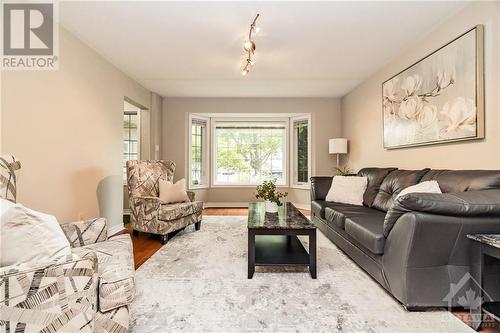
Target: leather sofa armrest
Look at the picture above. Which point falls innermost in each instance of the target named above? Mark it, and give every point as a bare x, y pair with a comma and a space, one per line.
484, 203
320, 185
424, 253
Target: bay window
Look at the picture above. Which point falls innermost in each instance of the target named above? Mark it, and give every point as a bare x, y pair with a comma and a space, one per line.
245, 150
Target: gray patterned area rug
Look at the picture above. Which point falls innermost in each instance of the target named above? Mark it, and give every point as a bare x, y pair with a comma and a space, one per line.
198, 282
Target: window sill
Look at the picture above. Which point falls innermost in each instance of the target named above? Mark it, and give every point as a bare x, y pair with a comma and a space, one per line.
198, 187
245, 186
301, 187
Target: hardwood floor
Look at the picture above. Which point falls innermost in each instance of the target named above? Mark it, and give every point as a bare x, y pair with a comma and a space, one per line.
146, 245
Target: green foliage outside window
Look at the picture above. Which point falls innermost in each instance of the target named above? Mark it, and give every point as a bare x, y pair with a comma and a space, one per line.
250, 152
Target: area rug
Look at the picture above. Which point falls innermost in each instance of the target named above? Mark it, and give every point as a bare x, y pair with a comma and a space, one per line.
198, 282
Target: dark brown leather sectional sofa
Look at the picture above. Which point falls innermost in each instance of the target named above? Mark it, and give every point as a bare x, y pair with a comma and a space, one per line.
415, 246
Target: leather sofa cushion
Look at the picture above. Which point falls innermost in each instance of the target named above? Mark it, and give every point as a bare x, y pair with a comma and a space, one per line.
318, 207
375, 178
333, 216
336, 213
367, 228
454, 181
394, 183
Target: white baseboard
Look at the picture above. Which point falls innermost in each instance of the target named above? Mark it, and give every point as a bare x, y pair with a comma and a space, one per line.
115, 229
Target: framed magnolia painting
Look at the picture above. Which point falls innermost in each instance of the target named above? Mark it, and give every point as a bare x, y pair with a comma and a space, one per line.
438, 99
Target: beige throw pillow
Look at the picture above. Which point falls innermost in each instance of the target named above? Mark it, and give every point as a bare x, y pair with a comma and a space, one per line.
172, 193
430, 186
347, 189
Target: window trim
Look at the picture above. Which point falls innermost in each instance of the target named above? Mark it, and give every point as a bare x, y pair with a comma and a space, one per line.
213, 166
293, 152
205, 151
139, 139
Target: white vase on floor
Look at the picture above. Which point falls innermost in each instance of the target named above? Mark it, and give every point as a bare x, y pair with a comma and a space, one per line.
271, 207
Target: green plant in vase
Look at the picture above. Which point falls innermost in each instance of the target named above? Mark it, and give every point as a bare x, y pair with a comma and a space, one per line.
267, 191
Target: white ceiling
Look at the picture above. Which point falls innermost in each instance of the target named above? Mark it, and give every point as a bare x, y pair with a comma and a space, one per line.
305, 49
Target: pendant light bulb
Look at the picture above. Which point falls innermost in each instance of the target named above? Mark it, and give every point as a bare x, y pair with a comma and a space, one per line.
249, 46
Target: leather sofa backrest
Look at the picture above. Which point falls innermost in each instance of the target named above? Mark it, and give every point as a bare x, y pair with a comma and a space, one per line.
454, 181
320, 185
394, 183
375, 178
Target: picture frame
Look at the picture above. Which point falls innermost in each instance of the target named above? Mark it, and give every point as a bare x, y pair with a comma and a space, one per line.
438, 99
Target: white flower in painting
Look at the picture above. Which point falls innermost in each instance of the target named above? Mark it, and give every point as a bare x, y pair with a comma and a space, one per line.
410, 107
411, 84
389, 90
461, 115
389, 110
427, 116
445, 79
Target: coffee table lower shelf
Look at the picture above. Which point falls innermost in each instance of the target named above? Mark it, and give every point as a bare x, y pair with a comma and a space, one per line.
492, 309
278, 250
281, 248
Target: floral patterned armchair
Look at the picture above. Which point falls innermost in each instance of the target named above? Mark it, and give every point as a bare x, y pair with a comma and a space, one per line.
147, 212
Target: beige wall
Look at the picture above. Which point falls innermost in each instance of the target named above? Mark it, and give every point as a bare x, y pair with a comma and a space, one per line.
65, 127
156, 126
325, 119
362, 108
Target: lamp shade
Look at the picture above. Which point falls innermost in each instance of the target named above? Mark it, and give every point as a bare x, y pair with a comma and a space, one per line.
337, 146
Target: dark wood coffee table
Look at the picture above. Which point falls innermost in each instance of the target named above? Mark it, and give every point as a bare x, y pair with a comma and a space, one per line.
485, 249
273, 241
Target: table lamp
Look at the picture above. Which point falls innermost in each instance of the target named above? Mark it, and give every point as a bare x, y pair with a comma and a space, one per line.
337, 146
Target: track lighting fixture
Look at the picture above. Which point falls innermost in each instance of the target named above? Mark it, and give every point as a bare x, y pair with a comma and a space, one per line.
249, 47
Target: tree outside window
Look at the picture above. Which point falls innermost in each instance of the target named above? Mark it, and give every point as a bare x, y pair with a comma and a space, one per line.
197, 143
250, 153
301, 138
